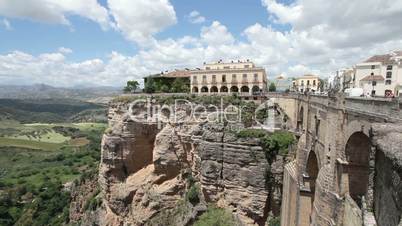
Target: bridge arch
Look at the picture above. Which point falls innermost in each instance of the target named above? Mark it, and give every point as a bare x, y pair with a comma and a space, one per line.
357, 152
300, 119
309, 183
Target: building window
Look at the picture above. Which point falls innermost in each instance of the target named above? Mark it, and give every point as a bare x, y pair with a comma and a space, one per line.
372, 66
308, 82
207, 68
302, 83
213, 76
204, 78
387, 82
372, 73
389, 67
246, 66
195, 77
389, 74
244, 76
374, 83
226, 67
223, 78
314, 83
234, 76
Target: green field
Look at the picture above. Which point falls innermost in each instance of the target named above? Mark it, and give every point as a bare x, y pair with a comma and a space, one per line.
29, 144
36, 160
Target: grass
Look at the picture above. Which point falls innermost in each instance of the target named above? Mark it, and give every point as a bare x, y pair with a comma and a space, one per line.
29, 144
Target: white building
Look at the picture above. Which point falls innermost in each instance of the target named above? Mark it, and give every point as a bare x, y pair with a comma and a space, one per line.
380, 75
226, 78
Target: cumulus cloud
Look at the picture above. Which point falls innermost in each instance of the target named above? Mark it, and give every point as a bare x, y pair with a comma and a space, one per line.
324, 36
196, 18
55, 11
139, 20
216, 34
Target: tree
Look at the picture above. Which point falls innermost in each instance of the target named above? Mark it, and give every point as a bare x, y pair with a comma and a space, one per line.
272, 87
131, 86
149, 86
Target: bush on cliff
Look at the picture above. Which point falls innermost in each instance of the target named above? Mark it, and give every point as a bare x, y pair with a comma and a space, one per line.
215, 217
192, 194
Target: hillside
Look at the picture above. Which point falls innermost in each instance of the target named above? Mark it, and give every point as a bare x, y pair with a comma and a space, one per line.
41, 91
51, 110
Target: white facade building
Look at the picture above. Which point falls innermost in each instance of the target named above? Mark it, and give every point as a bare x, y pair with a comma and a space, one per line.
225, 78
380, 75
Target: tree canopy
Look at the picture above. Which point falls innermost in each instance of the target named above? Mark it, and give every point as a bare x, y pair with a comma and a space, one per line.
131, 86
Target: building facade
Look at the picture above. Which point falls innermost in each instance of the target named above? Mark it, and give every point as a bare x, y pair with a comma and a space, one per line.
227, 78
306, 83
380, 75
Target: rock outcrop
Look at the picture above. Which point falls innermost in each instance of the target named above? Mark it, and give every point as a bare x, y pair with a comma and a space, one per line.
143, 167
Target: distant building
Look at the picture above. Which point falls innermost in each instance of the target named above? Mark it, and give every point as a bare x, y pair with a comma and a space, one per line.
380, 75
164, 81
282, 83
225, 78
306, 83
346, 78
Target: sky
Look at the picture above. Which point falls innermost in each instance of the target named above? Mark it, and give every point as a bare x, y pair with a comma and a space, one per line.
107, 42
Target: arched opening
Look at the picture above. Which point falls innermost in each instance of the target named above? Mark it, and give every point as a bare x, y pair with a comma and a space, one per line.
245, 89
204, 89
214, 89
309, 184
234, 89
195, 89
358, 169
256, 90
300, 119
224, 89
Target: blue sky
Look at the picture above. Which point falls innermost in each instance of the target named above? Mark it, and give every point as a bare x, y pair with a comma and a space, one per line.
88, 40
107, 42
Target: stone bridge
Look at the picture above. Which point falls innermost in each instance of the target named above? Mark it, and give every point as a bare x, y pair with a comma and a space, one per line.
347, 169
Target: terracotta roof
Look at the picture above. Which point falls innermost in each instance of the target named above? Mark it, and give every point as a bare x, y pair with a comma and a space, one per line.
385, 59
177, 74
373, 78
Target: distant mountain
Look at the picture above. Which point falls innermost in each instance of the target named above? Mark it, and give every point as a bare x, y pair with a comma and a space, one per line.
51, 110
42, 91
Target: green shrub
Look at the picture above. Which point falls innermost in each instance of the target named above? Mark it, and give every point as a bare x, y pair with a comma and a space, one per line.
192, 194
215, 217
276, 221
252, 133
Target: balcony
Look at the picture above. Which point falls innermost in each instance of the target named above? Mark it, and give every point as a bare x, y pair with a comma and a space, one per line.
194, 82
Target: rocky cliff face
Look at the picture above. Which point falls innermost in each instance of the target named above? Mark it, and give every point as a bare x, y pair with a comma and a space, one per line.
143, 168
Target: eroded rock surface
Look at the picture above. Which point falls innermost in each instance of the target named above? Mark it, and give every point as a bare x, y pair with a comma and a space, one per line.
142, 165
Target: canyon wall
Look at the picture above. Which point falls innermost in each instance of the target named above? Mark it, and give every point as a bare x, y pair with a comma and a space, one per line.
146, 165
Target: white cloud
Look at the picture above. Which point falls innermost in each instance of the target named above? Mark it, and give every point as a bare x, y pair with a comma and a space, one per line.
65, 50
55, 11
216, 34
324, 37
139, 20
6, 24
196, 18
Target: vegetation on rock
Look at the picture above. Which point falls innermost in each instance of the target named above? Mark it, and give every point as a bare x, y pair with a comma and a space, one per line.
215, 217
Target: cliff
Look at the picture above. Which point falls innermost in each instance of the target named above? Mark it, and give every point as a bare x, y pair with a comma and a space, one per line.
146, 167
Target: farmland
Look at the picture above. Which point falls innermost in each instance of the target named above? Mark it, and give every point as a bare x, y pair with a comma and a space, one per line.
37, 161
